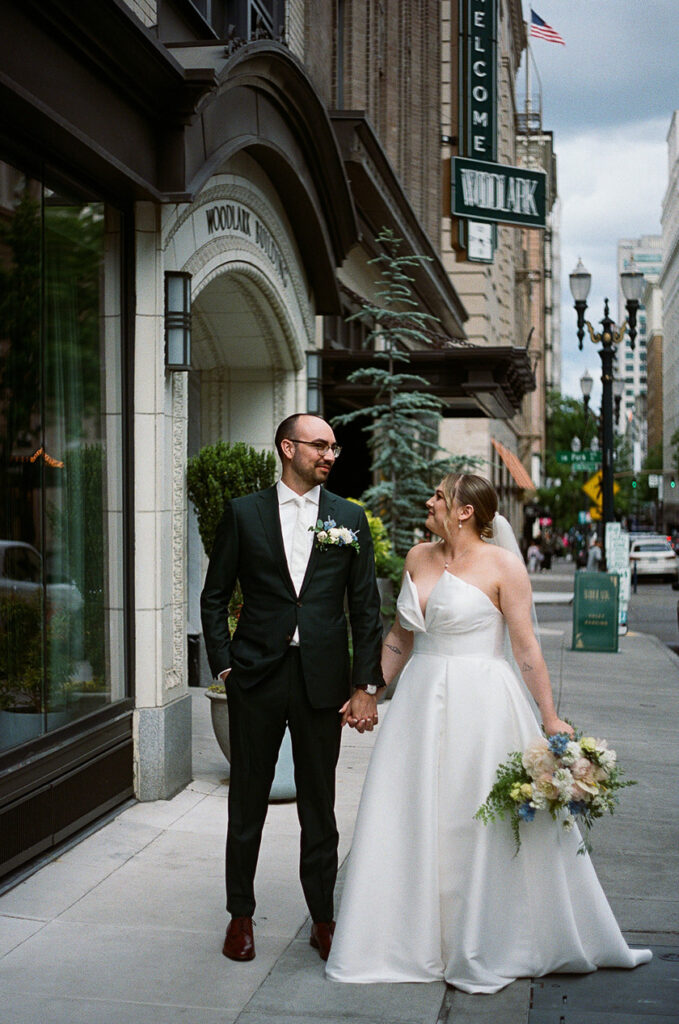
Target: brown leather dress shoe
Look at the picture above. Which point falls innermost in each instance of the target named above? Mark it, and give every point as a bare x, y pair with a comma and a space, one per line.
321, 938
239, 943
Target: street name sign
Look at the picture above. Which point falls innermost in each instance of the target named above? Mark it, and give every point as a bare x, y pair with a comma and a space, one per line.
498, 193
574, 458
595, 611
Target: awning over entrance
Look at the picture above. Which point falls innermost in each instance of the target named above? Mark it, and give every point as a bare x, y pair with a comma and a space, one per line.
515, 466
471, 380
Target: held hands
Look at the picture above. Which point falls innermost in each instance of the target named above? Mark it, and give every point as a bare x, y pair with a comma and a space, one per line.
360, 711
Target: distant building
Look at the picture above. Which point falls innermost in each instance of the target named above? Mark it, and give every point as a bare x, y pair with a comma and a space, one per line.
654, 359
669, 283
632, 364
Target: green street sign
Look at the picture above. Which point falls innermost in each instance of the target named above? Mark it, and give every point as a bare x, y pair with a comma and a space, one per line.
576, 458
595, 611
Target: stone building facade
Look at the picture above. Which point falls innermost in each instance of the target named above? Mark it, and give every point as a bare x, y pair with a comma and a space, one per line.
669, 284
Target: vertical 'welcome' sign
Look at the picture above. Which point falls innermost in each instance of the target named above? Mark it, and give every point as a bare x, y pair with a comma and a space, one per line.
480, 74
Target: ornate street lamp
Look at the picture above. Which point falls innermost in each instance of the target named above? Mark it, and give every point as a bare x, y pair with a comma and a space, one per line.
632, 283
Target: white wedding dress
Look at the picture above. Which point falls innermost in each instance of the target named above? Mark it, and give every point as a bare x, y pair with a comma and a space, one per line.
430, 893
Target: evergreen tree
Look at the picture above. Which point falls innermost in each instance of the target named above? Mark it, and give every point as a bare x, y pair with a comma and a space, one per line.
403, 421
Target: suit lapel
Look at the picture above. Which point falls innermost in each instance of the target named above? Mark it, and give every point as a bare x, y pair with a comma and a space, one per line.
271, 521
326, 507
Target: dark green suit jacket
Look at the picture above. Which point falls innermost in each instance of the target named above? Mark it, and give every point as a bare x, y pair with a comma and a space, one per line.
249, 548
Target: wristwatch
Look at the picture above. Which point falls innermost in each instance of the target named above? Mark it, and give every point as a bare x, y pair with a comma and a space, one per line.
368, 688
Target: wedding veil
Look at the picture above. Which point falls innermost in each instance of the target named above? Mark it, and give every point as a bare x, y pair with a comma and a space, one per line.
503, 537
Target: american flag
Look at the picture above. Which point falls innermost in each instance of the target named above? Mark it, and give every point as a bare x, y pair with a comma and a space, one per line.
542, 30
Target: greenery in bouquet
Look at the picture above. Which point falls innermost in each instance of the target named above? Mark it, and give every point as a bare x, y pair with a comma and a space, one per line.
576, 779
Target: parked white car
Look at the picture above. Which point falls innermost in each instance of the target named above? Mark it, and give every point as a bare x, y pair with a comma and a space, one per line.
21, 576
654, 556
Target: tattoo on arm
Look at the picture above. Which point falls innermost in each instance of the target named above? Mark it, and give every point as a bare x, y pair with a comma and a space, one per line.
396, 650
526, 667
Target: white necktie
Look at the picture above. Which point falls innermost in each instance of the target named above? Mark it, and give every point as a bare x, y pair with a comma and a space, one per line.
299, 556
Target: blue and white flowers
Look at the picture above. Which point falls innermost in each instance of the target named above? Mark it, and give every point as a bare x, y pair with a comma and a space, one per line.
574, 778
329, 534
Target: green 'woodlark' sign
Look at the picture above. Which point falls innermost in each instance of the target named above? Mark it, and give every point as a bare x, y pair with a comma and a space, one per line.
495, 192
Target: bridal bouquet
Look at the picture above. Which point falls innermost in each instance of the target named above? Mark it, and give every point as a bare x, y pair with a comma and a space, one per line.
574, 778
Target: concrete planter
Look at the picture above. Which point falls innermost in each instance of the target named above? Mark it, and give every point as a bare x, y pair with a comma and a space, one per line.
283, 787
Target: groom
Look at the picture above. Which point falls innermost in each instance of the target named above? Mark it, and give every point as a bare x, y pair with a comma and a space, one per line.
288, 663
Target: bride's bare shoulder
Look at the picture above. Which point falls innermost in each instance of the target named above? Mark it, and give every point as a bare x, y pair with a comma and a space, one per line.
419, 555
507, 562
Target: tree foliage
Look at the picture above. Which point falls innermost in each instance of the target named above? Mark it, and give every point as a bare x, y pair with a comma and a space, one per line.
563, 497
403, 419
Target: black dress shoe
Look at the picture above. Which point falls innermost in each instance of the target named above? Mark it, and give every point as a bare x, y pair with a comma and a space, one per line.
321, 938
239, 943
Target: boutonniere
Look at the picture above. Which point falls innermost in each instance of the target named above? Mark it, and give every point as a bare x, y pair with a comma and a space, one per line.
329, 534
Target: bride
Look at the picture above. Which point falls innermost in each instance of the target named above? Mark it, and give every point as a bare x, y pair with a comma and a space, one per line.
431, 894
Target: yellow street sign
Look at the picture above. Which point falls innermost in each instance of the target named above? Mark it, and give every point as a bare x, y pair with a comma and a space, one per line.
595, 512
594, 486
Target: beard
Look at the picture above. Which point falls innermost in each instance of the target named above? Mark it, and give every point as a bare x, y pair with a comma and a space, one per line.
314, 474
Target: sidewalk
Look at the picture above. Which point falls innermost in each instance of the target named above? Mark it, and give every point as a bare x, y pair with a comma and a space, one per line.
126, 927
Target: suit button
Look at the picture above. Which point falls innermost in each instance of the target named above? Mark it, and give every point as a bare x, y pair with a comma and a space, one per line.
288, 638
299, 604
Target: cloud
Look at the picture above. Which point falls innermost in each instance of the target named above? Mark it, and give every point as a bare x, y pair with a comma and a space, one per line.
612, 186
618, 65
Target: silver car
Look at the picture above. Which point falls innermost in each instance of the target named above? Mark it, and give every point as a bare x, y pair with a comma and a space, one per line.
654, 556
21, 577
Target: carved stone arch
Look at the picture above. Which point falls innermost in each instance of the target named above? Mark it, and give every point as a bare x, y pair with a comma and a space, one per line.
278, 330
265, 104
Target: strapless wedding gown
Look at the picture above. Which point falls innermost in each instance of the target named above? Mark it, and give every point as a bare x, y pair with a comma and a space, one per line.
430, 893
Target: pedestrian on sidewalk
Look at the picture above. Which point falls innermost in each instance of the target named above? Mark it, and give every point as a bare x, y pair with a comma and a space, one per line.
534, 556
298, 552
594, 556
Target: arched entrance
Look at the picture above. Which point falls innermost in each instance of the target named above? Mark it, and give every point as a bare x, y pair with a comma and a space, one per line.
253, 320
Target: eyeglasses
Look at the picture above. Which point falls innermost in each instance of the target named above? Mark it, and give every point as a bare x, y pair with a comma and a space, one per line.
320, 446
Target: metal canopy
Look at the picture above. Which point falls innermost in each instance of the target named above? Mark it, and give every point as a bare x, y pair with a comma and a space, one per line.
471, 380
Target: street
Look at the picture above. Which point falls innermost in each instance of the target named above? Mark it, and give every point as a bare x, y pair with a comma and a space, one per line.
653, 609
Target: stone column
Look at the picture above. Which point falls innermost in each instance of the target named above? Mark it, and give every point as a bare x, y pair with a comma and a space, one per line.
162, 719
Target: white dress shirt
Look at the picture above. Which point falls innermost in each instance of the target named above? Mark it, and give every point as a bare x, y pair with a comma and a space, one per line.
288, 504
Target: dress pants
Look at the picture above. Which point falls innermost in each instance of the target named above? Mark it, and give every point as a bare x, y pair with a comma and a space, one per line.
257, 719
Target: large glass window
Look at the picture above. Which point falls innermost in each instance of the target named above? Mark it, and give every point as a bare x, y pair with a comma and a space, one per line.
61, 521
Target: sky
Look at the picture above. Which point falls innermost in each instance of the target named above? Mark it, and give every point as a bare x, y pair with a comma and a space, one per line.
608, 96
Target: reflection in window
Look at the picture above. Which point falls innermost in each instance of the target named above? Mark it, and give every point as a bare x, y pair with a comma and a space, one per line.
61, 625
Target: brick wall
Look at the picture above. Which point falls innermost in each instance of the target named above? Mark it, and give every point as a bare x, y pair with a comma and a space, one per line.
390, 69
295, 26
146, 10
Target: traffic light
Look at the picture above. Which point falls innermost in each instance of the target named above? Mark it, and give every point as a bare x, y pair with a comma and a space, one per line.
634, 482
673, 483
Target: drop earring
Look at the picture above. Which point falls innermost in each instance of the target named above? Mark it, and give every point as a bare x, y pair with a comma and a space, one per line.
459, 524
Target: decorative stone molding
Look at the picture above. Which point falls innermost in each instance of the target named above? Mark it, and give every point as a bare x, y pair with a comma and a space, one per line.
227, 191
174, 676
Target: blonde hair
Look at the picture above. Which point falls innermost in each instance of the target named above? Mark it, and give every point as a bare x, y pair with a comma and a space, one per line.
470, 489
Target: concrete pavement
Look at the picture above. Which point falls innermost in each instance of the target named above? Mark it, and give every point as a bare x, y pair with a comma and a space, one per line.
126, 926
